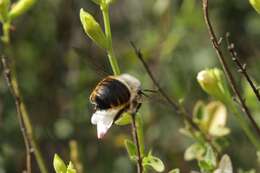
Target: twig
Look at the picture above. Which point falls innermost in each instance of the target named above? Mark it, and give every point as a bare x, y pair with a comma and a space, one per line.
13, 90
179, 109
24, 120
136, 140
241, 67
173, 103
224, 65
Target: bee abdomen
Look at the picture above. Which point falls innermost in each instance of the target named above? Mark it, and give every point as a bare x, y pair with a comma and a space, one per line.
109, 93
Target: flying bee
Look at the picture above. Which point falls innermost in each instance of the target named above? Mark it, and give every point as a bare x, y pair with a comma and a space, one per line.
113, 96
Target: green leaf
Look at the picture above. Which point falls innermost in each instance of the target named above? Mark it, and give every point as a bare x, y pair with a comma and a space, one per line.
125, 119
218, 118
205, 167
131, 149
153, 162
255, 4
93, 29
209, 161
195, 151
221, 142
59, 165
210, 156
71, 169
219, 131
212, 81
20, 8
140, 132
198, 111
225, 165
175, 171
4, 6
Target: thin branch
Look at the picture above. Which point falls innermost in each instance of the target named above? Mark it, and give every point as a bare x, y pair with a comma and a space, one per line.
174, 104
224, 65
241, 67
136, 140
179, 109
24, 120
15, 94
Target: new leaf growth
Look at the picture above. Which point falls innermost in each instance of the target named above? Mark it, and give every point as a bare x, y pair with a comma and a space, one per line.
212, 82
93, 29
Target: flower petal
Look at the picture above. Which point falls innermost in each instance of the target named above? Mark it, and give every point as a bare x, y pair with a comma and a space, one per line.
103, 119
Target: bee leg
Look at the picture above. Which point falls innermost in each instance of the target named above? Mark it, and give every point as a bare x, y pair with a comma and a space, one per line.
142, 93
138, 107
119, 113
135, 107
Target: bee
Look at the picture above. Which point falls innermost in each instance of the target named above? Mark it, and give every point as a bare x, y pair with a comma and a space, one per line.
113, 96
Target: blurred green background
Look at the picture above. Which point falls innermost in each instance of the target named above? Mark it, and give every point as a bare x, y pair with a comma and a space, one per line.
58, 66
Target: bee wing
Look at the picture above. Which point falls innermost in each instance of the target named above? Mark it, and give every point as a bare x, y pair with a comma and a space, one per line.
155, 97
97, 64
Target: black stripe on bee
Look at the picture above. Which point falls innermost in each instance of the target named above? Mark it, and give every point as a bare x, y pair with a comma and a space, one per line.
109, 93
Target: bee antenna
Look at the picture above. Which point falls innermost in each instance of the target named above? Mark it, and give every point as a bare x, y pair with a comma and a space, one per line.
150, 90
144, 94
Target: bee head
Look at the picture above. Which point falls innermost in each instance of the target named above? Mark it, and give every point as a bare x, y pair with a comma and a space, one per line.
132, 83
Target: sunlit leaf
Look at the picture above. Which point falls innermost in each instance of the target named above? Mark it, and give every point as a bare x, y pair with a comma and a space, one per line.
131, 149
174, 171
20, 8
125, 119
209, 161
219, 131
225, 165
153, 162
210, 156
59, 165
213, 83
218, 118
71, 169
200, 115
199, 112
205, 166
4, 5
255, 4
195, 151
93, 29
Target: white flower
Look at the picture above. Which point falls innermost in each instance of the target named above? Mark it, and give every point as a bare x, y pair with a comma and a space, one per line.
103, 119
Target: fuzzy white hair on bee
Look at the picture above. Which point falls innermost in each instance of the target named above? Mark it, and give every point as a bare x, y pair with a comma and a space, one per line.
113, 96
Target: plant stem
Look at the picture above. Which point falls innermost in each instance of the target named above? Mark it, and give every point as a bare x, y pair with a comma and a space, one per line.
22, 125
137, 143
137, 125
110, 51
179, 109
23, 115
140, 133
241, 67
229, 76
